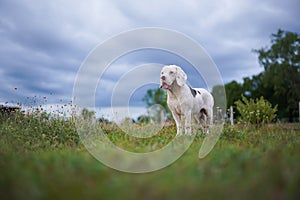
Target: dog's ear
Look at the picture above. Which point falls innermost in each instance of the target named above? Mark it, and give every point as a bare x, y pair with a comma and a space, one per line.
180, 77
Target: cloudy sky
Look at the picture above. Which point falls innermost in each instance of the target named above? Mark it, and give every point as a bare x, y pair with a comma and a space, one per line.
44, 43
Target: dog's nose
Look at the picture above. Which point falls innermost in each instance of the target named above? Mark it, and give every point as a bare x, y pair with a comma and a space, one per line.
163, 78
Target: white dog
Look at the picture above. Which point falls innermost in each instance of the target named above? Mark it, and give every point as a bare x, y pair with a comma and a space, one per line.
185, 101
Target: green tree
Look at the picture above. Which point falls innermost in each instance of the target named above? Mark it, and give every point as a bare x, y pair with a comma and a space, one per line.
157, 96
86, 114
219, 94
253, 87
234, 90
280, 82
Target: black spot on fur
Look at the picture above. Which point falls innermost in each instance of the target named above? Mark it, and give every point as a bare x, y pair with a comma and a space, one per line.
203, 111
193, 92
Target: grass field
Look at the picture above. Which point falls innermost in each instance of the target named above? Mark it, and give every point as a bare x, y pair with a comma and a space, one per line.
42, 158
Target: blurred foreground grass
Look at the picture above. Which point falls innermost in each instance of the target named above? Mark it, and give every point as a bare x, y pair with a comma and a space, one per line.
42, 158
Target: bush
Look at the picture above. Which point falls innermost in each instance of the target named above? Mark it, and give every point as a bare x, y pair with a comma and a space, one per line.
258, 111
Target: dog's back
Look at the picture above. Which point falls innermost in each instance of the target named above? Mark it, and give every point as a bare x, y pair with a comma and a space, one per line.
207, 98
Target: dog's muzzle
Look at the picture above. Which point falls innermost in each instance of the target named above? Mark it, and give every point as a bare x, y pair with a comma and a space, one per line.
164, 86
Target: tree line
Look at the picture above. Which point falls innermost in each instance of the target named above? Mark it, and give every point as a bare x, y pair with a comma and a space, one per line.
279, 83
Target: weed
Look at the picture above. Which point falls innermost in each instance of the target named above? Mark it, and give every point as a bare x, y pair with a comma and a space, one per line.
42, 158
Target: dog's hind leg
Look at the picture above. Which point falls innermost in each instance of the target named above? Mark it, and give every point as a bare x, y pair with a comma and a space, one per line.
203, 120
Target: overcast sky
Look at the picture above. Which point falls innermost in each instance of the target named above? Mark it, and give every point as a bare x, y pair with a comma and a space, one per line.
43, 43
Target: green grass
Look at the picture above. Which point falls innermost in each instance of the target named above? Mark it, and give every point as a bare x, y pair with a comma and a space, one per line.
44, 159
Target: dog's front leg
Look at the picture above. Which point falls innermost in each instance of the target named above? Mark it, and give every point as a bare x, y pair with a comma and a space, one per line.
188, 118
177, 119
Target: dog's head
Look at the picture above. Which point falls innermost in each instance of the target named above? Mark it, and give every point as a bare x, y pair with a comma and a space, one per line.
170, 75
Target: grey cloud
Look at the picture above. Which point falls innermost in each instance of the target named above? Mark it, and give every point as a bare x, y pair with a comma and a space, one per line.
44, 43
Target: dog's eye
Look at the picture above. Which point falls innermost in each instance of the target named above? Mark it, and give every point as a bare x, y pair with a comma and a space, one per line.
171, 72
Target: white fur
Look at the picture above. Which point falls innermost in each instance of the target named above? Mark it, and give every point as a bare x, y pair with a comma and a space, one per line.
181, 101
